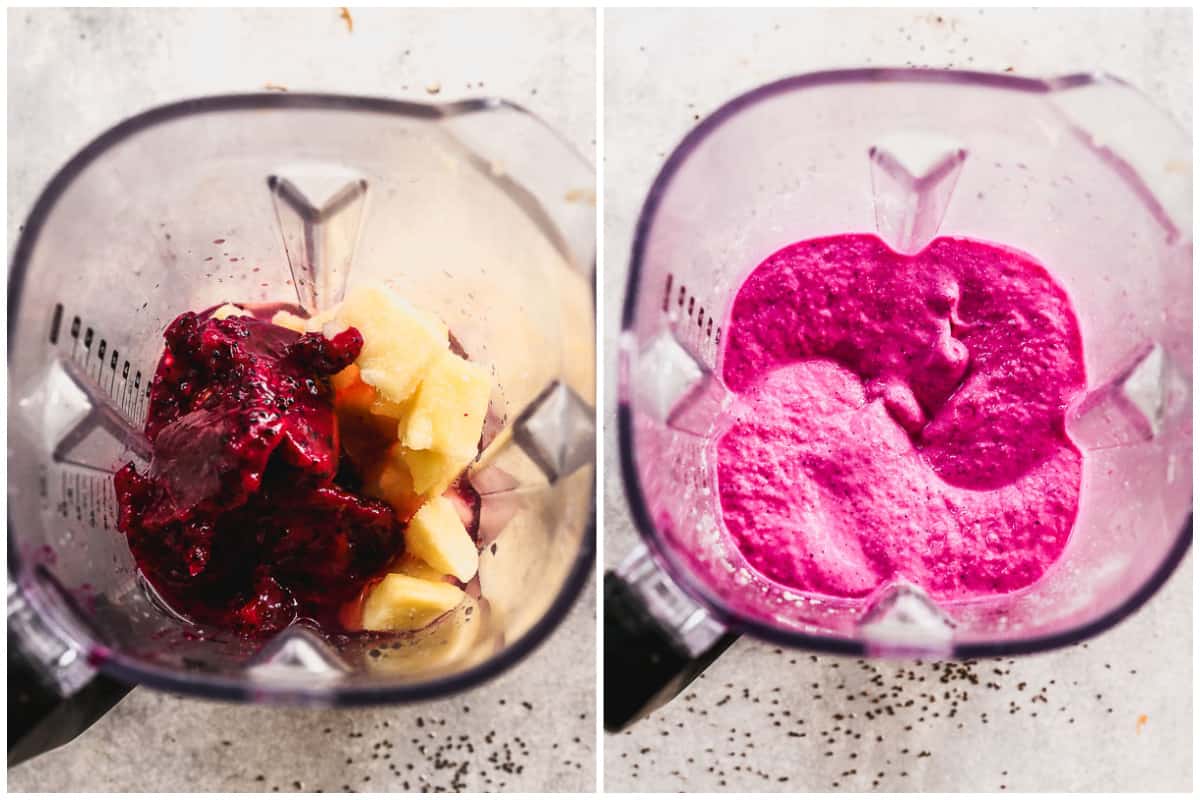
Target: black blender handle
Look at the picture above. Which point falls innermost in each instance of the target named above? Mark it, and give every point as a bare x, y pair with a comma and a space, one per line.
644, 666
39, 717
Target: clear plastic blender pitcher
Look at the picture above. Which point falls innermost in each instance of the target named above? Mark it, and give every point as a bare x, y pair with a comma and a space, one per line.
474, 210
1082, 172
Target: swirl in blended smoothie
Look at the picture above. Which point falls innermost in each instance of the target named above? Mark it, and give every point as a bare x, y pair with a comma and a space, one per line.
900, 417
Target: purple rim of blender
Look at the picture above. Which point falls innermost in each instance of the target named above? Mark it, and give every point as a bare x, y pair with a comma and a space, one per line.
673, 566
135, 671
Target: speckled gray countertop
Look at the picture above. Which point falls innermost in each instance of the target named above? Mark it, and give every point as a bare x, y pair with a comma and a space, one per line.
531, 729
1112, 714
74, 73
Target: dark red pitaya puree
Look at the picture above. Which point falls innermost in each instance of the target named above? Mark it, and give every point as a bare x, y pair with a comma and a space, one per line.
900, 417
247, 518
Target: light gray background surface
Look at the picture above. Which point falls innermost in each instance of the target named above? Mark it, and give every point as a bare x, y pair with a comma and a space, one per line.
74, 73
769, 720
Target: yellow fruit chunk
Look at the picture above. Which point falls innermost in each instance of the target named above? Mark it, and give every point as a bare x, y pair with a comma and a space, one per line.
318, 322
404, 603
359, 435
410, 411
435, 647
391, 482
465, 512
385, 408
395, 484
418, 429
410, 475
351, 394
230, 310
286, 319
436, 535
414, 567
399, 342
448, 410
364, 435
432, 472
333, 328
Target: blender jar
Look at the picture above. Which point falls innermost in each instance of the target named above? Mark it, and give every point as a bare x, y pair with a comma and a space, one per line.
474, 210
1081, 171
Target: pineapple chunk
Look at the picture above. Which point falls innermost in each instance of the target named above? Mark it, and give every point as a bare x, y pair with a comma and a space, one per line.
392, 483
414, 567
405, 603
286, 319
432, 472
318, 322
386, 408
399, 342
448, 410
230, 310
355, 402
362, 433
444, 642
333, 328
465, 512
396, 485
436, 535
414, 474
351, 393
418, 429
409, 389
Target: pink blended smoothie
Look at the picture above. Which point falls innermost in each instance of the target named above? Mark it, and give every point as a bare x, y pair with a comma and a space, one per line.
900, 417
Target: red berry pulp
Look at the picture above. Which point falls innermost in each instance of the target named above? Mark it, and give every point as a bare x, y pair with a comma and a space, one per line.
247, 518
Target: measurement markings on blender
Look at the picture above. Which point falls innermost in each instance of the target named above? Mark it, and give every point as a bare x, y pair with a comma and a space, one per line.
92, 497
63, 495
103, 501
56, 323
86, 494
699, 335
83, 491
109, 372
98, 500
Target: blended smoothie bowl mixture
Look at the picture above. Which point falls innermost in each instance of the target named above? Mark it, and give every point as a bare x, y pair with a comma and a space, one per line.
900, 417
309, 468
